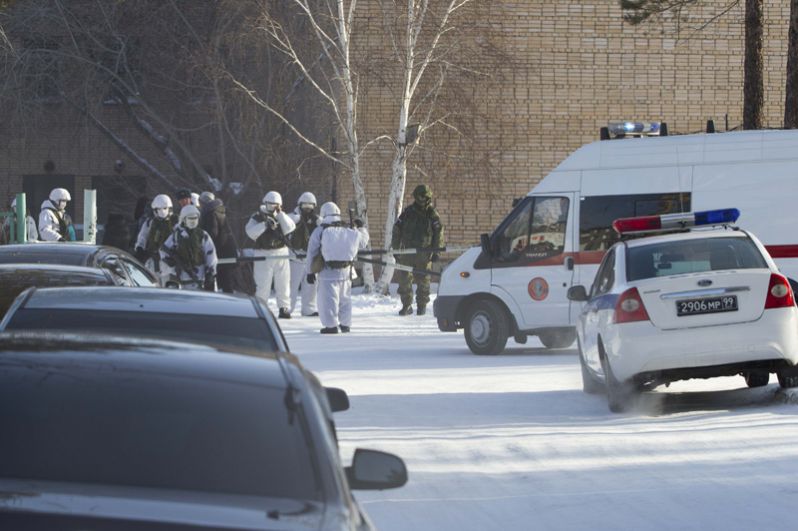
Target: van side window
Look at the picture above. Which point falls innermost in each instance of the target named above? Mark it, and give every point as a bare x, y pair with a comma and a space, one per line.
549, 221
597, 213
514, 239
535, 230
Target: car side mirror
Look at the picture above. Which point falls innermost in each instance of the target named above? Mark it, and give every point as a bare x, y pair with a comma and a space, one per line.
484, 240
375, 470
577, 293
338, 399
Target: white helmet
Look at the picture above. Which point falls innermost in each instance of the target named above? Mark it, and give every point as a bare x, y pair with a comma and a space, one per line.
271, 201
307, 199
189, 216
161, 206
195, 199
59, 197
329, 209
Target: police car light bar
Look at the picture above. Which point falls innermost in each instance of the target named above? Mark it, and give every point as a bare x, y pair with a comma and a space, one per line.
675, 221
634, 128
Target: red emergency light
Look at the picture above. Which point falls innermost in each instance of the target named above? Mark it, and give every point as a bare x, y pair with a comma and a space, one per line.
685, 220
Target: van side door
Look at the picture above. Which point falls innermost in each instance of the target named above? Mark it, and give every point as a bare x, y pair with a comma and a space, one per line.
532, 263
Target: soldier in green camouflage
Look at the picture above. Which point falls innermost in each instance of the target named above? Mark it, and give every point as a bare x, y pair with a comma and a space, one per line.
419, 225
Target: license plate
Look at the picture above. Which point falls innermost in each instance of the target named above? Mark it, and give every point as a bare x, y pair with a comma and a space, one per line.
727, 303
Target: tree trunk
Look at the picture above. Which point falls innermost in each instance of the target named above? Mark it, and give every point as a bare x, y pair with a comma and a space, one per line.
396, 195
344, 33
753, 84
791, 96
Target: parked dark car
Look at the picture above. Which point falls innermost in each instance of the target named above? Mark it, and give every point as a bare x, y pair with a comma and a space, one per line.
16, 278
183, 315
126, 270
109, 433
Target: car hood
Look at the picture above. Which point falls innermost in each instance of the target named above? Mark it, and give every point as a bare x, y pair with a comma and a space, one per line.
48, 505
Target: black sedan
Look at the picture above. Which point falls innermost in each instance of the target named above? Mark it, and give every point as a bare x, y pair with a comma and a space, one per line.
16, 278
123, 267
182, 315
107, 433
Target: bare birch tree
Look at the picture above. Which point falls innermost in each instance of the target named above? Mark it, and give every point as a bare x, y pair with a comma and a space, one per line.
417, 46
326, 66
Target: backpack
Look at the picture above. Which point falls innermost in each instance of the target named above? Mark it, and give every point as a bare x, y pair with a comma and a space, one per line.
340, 244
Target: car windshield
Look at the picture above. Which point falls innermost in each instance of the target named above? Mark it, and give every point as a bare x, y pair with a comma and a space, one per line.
692, 256
246, 332
104, 425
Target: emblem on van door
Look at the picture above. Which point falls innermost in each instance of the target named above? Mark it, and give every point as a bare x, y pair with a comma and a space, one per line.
704, 283
538, 288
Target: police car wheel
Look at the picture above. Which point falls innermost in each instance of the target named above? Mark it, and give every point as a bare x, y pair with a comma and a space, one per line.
589, 383
788, 378
557, 338
756, 378
619, 394
486, 328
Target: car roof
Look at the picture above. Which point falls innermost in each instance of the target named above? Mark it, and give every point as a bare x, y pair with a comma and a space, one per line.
159, 300
75, 253
55, 268
78, 351
682, 236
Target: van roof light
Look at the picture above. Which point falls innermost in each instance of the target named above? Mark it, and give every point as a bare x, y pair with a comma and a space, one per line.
667, 222
621, 129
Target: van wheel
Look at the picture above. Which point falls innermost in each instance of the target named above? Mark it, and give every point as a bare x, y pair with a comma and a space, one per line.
486, 328
558, 338
756, 378
589, 383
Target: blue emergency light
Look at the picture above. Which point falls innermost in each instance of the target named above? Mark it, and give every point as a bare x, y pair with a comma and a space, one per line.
666, 222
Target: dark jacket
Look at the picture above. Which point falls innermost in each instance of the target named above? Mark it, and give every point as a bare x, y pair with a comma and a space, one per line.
418, 226
213, 220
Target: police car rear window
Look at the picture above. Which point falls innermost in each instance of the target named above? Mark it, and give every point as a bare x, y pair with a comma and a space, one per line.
245, 332
692, 256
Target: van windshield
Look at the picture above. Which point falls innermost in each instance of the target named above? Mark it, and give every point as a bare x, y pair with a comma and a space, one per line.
692, 256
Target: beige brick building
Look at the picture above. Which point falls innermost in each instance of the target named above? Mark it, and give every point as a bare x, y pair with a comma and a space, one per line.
554, 73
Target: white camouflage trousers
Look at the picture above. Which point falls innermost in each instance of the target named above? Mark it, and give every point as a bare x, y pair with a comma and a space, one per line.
335, 302
275, 269
299, 285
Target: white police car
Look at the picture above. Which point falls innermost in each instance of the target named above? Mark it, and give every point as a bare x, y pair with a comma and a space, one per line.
691, 304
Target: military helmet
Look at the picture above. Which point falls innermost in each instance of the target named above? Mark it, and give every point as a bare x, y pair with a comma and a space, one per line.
330, 209
189, 216
423, 194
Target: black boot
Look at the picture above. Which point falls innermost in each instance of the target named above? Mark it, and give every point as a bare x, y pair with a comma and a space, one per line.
406, 310
421, 310
284, 314
344, 329
329, 330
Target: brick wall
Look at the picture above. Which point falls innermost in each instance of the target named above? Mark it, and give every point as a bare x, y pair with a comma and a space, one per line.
568, 67
551, 74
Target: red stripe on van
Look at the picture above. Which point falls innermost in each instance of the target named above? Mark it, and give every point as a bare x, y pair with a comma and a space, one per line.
581, 258
782, 251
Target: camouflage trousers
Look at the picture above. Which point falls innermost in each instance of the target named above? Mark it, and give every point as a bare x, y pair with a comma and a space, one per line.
406, 280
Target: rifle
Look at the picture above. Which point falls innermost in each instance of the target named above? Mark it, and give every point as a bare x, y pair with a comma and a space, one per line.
401, 267
415, 250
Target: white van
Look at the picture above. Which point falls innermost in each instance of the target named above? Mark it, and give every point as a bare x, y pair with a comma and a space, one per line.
515, 284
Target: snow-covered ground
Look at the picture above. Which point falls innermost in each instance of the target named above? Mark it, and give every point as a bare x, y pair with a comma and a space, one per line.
511, 442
